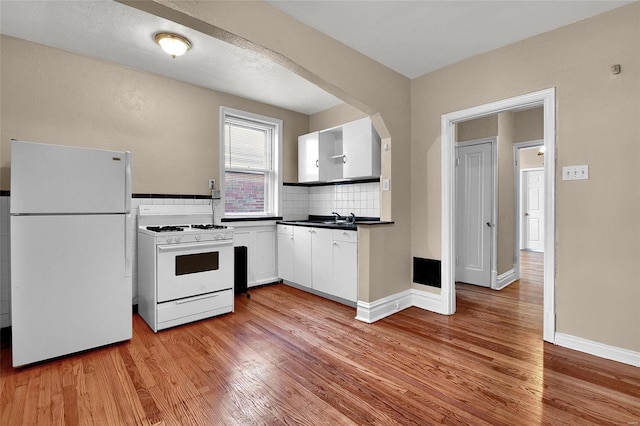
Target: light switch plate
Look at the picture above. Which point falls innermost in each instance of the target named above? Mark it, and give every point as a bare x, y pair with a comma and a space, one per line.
385, 184
575, 172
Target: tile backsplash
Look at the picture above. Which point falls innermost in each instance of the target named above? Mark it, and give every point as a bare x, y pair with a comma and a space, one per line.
363, 199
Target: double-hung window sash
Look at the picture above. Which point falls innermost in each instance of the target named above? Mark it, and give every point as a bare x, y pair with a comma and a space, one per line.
249, 170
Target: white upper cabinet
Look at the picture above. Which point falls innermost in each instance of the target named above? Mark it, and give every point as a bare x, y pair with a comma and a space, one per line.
314, 152
347, 152
361, 150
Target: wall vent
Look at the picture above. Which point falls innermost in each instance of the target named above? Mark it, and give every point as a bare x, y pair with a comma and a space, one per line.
427, 272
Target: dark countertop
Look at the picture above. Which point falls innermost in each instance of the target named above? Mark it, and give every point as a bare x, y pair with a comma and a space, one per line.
328, 222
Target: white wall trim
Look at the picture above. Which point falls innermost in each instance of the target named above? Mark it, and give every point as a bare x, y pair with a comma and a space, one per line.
547, 99
426, 300
505, 279
381, 308
601, 350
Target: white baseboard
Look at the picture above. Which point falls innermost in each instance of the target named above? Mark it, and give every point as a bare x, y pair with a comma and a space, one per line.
601, 350
427, 301
381, 308
505, 279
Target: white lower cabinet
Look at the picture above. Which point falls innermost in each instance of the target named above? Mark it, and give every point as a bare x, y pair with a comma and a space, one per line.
285, 252
321, 260
302, 255
261, 252
345, 265
324, 260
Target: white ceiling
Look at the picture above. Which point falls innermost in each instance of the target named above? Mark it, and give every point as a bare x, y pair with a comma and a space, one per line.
411, 37
417, 37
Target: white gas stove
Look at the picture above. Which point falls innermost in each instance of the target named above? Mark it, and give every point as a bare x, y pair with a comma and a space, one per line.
185, 265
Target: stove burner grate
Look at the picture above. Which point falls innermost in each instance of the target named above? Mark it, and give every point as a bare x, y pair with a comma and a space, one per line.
164, 228
209, 226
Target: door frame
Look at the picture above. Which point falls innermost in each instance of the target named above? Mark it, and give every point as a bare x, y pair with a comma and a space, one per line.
547, 99
518, 188
493, 262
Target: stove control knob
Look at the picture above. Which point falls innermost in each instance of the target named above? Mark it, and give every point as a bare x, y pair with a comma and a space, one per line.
216, 236
169, 240
198, 237
178, 239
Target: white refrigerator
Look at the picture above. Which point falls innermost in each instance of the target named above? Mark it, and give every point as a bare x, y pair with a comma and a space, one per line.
70, 258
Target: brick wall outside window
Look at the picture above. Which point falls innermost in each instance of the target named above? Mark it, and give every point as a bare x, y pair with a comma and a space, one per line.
244, 192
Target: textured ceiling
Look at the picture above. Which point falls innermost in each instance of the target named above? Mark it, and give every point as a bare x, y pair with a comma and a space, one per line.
115, 32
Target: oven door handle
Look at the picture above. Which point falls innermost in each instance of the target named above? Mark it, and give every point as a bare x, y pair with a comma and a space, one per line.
182, 247
194, 298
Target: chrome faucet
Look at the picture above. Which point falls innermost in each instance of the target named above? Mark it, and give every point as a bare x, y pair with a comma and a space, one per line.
352, 218
337, 216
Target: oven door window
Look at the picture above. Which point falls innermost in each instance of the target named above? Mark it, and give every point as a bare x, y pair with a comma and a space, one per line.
196, 263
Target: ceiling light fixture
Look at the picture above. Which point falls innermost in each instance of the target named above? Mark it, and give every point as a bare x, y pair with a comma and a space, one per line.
173, 44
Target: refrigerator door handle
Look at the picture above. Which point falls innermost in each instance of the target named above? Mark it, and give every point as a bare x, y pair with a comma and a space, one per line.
127, 183
127, 245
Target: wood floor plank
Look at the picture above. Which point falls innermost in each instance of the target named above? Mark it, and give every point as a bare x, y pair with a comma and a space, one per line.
288, 357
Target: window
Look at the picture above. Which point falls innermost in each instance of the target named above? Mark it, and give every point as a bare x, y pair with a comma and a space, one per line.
250, 160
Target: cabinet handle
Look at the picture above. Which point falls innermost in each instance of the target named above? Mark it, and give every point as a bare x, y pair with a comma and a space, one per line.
344, 159
335, 243
317, 163
291, 237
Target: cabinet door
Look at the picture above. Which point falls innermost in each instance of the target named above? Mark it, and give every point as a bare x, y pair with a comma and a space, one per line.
361, 149
285, 256
302, 255
322, 260
308, 161
261, 253
264, 256
345, 270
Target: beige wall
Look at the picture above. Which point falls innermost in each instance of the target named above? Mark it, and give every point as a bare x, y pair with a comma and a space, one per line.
529, 125
170, 127
530, 159
478, 128
335, 116
356, 79
506, 193
598, 232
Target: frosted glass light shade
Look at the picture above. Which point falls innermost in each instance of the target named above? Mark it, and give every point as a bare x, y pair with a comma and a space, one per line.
173, 44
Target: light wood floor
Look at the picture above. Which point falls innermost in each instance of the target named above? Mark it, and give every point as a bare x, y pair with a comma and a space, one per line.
287, 357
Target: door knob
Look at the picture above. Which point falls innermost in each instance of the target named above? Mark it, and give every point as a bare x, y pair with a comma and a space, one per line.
526, 214
489, 224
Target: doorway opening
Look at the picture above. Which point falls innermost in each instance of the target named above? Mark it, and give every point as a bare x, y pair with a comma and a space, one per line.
546, 99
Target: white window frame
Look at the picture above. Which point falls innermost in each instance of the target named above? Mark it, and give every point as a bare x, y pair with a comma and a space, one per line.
273, 199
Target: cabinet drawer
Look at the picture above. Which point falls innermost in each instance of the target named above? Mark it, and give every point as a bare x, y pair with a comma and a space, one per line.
347, 236
193, 308
285, 229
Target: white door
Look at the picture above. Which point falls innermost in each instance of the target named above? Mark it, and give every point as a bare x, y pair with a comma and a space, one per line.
533, 210
474, 223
